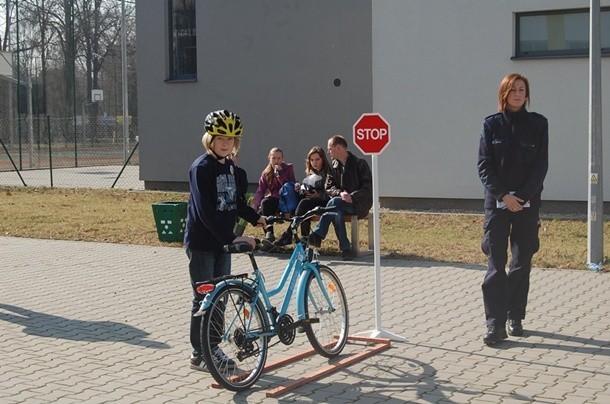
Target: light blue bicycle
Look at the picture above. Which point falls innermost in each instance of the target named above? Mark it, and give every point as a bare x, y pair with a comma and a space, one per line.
239, 319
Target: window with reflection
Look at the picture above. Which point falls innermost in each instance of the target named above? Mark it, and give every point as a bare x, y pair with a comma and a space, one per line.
183, 40
558, 33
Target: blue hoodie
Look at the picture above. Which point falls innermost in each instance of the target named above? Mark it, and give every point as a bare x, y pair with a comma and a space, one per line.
213, 205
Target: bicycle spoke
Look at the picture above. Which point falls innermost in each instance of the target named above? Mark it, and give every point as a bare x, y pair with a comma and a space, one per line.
234, 350
326, 302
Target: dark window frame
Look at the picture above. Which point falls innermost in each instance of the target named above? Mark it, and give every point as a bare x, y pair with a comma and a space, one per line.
182, 53
555, 53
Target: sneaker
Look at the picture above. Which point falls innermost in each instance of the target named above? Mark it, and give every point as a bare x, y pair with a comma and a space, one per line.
347, 255
267, 246
269, 236
315, 240
222, 361
197, 363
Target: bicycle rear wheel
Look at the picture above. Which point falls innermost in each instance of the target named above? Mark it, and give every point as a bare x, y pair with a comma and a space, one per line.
329, 335
233, 348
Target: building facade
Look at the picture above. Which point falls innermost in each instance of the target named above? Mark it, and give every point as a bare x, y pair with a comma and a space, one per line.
298, 71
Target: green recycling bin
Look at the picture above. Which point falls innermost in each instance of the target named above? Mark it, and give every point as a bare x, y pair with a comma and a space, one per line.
170, 218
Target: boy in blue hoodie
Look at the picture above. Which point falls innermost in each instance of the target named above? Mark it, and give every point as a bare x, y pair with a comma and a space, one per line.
213, 208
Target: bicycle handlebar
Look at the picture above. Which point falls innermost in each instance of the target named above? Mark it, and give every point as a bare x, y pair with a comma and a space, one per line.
318, 210
241, 247
274, 219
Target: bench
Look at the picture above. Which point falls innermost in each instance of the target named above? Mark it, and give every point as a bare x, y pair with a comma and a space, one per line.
355, 237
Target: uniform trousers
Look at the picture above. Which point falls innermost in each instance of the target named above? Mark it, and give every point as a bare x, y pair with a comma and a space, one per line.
505, 294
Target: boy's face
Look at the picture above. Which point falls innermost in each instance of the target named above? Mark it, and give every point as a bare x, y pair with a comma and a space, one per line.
223, 146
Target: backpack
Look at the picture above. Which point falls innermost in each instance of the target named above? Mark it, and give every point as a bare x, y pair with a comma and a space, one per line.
289, 199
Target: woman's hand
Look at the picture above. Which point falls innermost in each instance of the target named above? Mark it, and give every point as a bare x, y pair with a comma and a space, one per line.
513, 203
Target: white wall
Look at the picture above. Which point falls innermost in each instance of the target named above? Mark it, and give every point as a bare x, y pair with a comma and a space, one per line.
436, 70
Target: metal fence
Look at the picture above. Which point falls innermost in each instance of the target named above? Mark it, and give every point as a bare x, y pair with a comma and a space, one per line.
47, 151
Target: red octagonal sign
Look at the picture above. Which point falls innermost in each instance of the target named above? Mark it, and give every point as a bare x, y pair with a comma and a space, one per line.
371, 133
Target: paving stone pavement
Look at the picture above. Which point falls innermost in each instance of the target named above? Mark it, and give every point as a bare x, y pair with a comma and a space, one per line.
108, 323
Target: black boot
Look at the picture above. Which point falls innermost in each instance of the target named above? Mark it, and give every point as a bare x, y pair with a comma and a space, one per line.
515, 328
315, 240
286, 239
495, 334
269, 234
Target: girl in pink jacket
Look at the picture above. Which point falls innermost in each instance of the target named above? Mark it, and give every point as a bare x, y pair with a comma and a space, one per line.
267, 197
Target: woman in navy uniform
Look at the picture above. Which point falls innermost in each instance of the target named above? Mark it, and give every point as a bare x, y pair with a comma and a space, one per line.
512, 165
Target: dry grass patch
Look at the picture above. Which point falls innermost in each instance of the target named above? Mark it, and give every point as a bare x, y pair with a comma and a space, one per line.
119, 216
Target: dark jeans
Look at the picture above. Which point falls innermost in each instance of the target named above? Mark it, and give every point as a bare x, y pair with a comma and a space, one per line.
204, 265
505, 295
337, 218
269, 207
303, 207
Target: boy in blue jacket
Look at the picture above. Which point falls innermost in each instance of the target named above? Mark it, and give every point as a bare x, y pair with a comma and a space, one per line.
213, 208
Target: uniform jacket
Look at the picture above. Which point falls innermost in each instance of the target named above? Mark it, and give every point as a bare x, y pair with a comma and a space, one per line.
513, 156
354, 177
214, 205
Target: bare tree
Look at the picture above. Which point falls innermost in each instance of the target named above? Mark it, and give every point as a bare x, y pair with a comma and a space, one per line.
71, 39
8, 17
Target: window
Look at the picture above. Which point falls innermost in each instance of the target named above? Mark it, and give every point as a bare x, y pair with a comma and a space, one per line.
183, 40
558, 33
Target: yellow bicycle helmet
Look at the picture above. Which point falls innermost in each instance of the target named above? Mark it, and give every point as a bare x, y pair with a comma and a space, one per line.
223, 123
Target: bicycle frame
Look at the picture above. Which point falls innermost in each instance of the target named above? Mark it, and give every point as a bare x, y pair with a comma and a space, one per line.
240, 320
295, 273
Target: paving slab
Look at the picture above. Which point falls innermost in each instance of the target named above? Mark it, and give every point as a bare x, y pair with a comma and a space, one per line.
108, 323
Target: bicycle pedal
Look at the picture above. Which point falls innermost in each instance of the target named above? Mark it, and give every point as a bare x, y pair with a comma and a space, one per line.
310, 321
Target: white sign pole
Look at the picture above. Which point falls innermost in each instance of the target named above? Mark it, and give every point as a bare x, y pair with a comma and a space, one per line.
376, 243
378, 332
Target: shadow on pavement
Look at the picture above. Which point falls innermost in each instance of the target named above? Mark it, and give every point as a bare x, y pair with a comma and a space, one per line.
567, 343
392, 374
50, 326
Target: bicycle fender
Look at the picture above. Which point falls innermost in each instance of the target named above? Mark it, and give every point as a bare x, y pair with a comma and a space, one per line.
220, 286
301, 291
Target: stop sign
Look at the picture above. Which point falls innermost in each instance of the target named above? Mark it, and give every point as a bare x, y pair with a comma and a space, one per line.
371, 133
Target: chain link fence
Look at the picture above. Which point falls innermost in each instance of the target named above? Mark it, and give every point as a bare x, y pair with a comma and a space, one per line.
66, 80
69, 152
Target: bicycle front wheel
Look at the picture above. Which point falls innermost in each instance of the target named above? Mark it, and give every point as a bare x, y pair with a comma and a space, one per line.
325, 302
234, 349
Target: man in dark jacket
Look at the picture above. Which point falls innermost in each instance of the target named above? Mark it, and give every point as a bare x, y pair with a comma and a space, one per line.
349, 185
